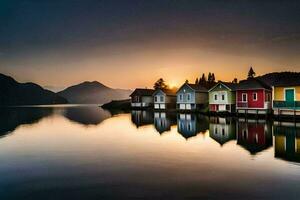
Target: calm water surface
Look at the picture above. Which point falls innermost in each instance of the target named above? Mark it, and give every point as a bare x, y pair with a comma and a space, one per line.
89, 153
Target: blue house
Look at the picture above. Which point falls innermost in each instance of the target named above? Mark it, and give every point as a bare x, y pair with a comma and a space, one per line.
191, 97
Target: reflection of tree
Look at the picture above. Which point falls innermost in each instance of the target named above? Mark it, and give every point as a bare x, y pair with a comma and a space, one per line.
11, 118
86, 115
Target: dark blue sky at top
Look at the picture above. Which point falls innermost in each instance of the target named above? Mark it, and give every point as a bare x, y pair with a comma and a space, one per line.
34, 24
98, 39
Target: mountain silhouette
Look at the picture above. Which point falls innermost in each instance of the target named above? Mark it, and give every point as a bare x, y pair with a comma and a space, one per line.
281, 78
93, 93
15, 93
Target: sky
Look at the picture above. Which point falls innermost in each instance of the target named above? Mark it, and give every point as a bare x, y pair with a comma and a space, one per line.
128, 44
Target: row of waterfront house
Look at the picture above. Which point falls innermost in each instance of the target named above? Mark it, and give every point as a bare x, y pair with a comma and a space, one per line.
251, 96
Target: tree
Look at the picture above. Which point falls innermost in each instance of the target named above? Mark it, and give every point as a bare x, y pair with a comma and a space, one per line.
197, 81
235, 80
186, 81
251, 73
209, 77
213, 78
160, 84
203, 79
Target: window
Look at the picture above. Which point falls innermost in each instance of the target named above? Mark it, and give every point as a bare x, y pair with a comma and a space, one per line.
188, 97
180, 96
223, 97
255, 96
155, 98
223, 131
216, 97
244, 97
161, 98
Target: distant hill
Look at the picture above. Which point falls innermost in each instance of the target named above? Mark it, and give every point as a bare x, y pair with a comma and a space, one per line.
15, 93
278, 78
93, 93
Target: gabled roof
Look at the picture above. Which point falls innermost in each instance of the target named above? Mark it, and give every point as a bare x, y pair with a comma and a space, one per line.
142, 92
195, 87
252, 83
168, 92
230, 86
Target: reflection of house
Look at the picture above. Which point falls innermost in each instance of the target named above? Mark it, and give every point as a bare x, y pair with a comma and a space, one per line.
141, 117
222, 129
287, 141
253, 96
287, 98
164, 99
142, 98
222, 97
191, 97
189, 125
163, 121
254, 135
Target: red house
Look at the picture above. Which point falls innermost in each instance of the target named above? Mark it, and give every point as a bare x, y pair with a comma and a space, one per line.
253, 96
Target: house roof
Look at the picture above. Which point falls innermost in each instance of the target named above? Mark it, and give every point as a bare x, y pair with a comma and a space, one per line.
252, 83
166, 91
229, 85
142, 92
195, 87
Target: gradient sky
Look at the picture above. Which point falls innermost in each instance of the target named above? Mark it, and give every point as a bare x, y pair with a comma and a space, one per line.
128, 44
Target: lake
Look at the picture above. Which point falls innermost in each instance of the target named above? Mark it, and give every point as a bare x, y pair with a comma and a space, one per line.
84, 152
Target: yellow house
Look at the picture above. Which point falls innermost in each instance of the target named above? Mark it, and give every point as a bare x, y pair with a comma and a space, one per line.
286, 99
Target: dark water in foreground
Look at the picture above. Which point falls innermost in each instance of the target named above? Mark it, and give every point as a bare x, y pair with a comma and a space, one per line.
86, 153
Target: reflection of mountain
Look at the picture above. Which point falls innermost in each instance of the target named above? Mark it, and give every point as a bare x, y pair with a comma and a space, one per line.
287, 141
222, 130
189, 125
86, 115
163, 121
255, 136
141, 117
11, 118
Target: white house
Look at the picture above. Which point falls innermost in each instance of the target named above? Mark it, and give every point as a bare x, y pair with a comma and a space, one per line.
191, 97
164, 99
222, 97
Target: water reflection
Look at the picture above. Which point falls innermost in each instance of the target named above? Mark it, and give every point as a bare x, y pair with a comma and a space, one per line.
11, 118
112, 160
164, 120
86, 115
141, 117
189, 125
222, 130
287, 141
254, 135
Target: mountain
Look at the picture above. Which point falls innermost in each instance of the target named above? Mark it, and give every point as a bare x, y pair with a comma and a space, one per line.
279, 78
93, 93
15, 93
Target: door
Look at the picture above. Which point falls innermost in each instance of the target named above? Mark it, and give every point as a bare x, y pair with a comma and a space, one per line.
290, 97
